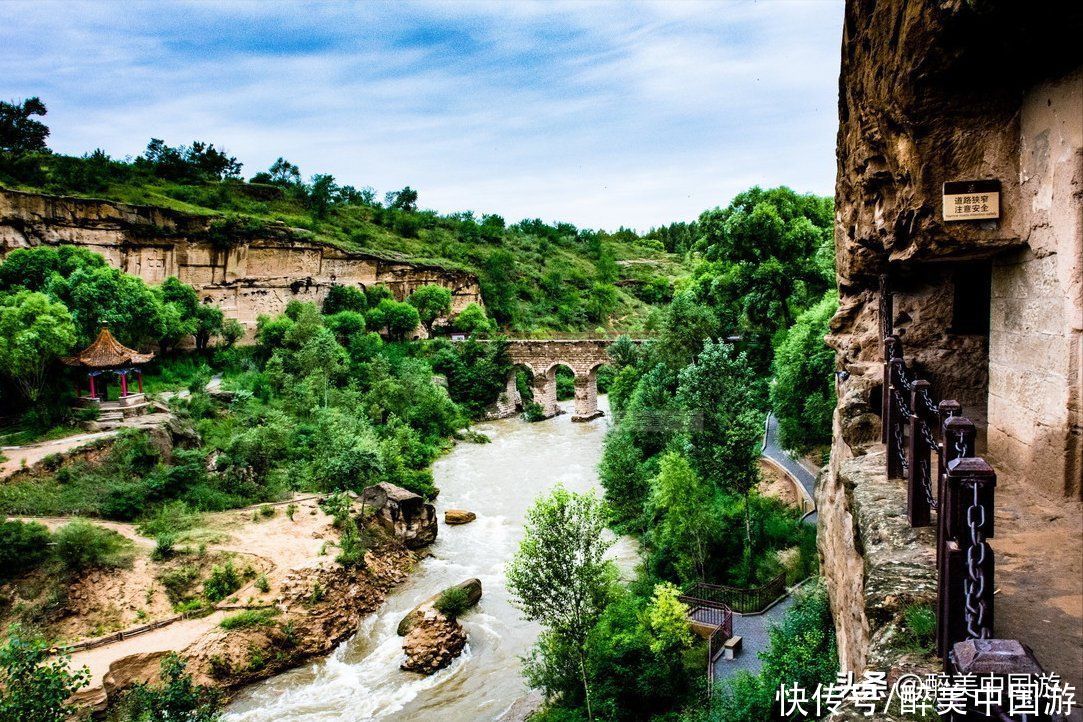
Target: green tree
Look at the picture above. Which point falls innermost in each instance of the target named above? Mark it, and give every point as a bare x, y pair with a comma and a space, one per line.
666, 621
404, 200
34, 331
432, 302
685, 509
560, 577
232, 332
472, 320
802, 392
104, 296
400, 319
321, 194
19, 132
344, 298
723, 423
35, 684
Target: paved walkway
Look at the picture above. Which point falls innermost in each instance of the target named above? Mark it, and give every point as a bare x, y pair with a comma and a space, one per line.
753, 631
780, 456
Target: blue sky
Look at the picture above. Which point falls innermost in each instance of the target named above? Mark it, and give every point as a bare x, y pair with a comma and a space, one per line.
600, 114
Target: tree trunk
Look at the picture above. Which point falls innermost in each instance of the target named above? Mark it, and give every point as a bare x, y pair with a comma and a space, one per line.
586, 686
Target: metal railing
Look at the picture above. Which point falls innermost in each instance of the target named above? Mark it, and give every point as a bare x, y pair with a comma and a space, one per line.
742, 601
917, 431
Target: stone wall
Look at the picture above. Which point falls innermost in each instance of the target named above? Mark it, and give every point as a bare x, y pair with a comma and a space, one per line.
930, 93
247, 276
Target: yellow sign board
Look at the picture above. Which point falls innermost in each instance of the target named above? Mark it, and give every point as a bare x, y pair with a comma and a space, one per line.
972, 200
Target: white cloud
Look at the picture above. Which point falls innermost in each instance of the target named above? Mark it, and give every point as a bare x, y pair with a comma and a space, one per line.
601, 114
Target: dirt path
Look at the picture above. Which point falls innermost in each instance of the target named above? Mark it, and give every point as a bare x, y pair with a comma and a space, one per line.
176, 636
19, 456
1038, 545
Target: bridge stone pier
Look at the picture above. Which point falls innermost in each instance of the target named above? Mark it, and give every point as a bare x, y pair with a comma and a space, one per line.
541, 358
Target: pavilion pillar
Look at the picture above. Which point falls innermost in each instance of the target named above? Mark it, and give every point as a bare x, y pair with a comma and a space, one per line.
93, 391
139, 379
123, 385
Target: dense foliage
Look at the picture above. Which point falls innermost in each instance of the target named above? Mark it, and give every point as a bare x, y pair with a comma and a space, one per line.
319, 403
35, 685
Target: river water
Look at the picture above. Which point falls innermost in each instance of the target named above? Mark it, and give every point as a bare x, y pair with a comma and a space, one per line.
361, 680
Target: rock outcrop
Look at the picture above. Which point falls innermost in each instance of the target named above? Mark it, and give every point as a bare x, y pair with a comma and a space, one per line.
404, 514
459, 516
874, 564
246, 269
432, 643
472, 587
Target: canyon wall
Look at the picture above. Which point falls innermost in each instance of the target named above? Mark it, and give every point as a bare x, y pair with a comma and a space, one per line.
989, 311
247, 272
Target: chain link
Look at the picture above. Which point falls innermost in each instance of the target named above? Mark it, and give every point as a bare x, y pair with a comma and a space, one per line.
903, 411
925, 466
976, 610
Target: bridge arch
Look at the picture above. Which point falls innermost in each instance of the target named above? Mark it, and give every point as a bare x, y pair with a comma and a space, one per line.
542, 357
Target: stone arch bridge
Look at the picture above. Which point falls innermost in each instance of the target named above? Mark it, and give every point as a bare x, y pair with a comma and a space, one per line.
541, 358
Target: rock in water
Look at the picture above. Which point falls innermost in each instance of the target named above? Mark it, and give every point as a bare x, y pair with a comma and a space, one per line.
433, 643
459, 516
472, 587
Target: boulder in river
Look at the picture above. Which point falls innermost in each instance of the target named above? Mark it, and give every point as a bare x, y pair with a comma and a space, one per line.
472, 587
403, 513
459, 516
433, 643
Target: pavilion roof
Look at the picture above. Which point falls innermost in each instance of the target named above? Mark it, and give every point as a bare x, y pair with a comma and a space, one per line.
106, 353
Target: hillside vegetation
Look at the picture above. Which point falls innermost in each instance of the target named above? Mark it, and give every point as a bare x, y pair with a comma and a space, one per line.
536, 276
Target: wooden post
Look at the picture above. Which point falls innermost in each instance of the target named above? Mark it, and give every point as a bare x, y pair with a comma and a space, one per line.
885, 400
123, 385
918, 510
93, 391
963, 474
139, 379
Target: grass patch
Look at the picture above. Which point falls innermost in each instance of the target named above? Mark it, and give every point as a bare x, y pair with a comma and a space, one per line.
249, 618
453, 602
919, 628
170, 518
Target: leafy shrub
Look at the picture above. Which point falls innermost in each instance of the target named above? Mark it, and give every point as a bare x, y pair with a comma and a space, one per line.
249, 618
81, 545
164, 547
23, 546
533, 411
222, 582
351, 544
453, 602
262, 584
36, 685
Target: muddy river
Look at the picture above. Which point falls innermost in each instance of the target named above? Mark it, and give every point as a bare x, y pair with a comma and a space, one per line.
361, 680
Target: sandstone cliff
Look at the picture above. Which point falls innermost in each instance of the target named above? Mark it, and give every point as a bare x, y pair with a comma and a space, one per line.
989, 311
247, 270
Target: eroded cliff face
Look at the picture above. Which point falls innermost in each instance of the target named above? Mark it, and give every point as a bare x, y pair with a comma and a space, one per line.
930, 93
245, 272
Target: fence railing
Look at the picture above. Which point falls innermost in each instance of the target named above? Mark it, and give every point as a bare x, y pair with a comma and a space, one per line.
918, 431
742, 601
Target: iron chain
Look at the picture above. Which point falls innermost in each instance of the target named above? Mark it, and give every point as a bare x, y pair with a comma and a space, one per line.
976, 611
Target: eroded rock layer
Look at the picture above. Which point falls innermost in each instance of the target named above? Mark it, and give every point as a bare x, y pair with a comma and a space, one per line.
246, 271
